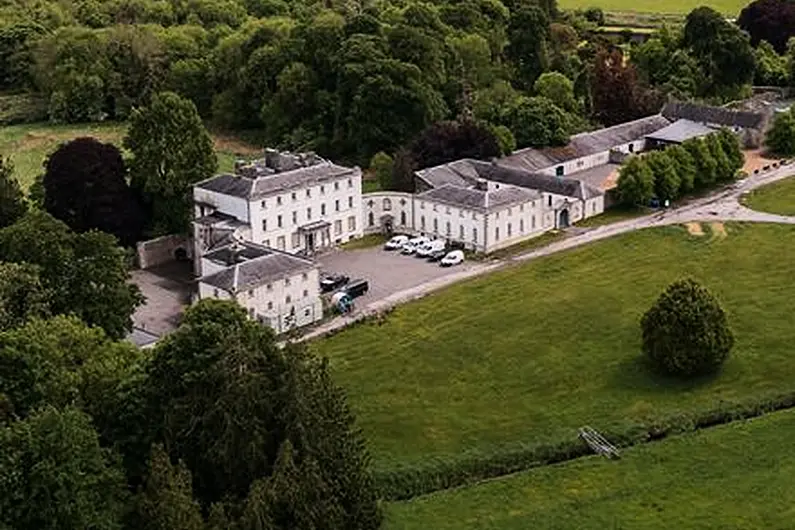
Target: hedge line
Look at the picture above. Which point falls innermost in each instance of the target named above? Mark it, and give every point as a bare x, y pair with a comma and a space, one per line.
444, 473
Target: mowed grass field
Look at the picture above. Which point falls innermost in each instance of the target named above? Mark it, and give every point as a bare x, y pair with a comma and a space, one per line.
734, 476
532, 353
728, 7
29, 145
778, 197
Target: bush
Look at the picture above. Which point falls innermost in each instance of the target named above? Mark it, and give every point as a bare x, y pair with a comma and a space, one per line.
686, 332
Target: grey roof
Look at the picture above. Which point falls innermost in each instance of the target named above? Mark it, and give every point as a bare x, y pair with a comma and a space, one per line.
681, 130
255, 188
219, 219
584, 144
714, 115
536, 181
142, 338
459, 173
476, 199
268, 266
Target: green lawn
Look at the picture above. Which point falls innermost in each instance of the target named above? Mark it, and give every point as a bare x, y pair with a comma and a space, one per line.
734, 476
614, 215
531, 353
728, 7
778, 197
29, 145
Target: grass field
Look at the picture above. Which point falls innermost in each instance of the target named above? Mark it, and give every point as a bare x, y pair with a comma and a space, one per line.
532, 353
733, 476
778, 197
728, 7
29, 145
614, 215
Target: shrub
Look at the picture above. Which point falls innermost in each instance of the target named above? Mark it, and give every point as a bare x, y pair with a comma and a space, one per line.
686, 332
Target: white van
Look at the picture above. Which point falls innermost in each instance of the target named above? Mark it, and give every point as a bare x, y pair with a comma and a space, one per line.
430, 247
413, 244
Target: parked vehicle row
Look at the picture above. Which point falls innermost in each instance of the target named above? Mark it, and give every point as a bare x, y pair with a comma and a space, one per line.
343, 284
424, 247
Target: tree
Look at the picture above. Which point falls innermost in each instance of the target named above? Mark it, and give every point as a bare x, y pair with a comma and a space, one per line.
22, 296
528, 32
635, 182
171, 151
447, 141
686, 333
769, 20
617, 94
87, 273
12, 201
85, 187
724, 169
780, 138
228, 401
538, 122
557, 88
403, 170
684, 166
771, 68
166, 501
56, 475
666, 181
706, 166
730, 144
62, 362
381, 165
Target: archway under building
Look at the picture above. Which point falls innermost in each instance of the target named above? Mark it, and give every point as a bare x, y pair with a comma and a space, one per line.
563, 220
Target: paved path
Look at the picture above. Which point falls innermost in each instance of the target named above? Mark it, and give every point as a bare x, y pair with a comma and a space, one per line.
720, 206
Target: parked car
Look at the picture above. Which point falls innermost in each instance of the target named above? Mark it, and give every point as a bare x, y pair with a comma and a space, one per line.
437, 255
452, 258
330, 282
431, 246
396, 242
413, 244
356, 288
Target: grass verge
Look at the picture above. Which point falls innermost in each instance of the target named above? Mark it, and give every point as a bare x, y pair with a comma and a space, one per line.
525, 246
368, 241
613, 215
732, 476
778, 197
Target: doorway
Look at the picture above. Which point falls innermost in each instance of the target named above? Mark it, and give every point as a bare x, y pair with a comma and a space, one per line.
310, 242
564, 219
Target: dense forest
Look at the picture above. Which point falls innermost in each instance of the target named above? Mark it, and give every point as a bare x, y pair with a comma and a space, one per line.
350, 79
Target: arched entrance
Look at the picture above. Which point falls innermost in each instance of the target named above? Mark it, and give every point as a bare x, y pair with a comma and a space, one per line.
564, 218
387, 224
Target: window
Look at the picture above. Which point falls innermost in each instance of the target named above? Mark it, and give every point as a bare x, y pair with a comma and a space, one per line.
461, 213
267, 242
549, 200
296, 240
293, 195
336, 186
461, 232
370, 219
279, 221
422, 205
270, 306
280, 242
322, 190
306, 293
631, 148
264, 225
521, 225
447, 229
435, 225
447, 210
262, 204
350, 183
337, 227
279, 200
287, 284
533, 220
306, 312
403, 218
387, 205
215, 293
422, 222
269, 287
474, 234
434, 207
251, 312
305, 276
496, 233
351, 223
510, 212
251, 293
337, 205
509, 229
323, 209
287, 299
350, 202
308, 193
559, 171
308, 214
295, 218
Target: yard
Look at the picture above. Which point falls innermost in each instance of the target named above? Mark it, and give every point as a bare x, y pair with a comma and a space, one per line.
29, 145
728, 7
733, 476
531, 353
778, 197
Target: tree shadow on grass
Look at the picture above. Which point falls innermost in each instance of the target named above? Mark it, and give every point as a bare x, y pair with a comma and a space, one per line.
637, 373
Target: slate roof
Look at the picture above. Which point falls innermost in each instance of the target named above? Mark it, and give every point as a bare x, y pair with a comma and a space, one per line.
536, 181
584, 144
681, 130
268, 265
714, 115
475, 199
459, 173
262, 186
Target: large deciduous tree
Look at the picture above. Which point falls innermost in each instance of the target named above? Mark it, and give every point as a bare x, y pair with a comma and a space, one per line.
666, 181
706, 165
87, 273
685, 167
538, 122
686, 332
780, 138
12, 201
769, 20
22, 296
85, 186
635, 182
171, 151
56, 475
617, 94
528, 32
447, 141
557, 88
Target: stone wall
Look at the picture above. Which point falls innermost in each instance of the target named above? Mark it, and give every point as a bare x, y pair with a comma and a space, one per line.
163, 249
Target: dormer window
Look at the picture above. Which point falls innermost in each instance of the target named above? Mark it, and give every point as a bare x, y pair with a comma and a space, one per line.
308, 193
293, 195
279, 200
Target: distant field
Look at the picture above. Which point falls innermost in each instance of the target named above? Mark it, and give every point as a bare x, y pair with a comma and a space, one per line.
530, 354
778, 197
733, 476
29, 145
728, 7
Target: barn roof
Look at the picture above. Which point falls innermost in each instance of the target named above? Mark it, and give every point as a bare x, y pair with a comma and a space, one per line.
713, 115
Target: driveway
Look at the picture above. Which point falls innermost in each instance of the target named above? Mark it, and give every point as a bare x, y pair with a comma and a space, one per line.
388, 272
167, 289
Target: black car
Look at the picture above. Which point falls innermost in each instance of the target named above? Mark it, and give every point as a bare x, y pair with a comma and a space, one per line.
436, 256
331, 282
357, 288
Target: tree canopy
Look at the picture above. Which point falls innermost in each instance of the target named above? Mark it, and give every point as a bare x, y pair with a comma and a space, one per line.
12, 200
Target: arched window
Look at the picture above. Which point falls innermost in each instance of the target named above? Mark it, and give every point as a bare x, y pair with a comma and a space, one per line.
403, 218
370, 219
387, 204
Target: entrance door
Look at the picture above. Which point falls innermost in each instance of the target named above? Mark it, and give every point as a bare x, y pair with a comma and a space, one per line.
310, 242
564, 219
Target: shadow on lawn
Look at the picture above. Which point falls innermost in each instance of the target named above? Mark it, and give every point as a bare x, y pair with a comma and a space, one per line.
637, 373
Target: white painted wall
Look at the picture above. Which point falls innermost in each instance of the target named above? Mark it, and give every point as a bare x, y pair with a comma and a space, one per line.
397, 204
595, 160
227, 204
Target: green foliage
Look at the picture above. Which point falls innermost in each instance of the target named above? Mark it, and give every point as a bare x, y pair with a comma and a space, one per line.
557, 88
706, 166
771, 68
635, 185
87, 273
781, 136
171, 151
528, 32
686, 333
538, 122
12, 201
666, 180
22, 295
684, 166
730, 145
505, 138
56, 475
381, 164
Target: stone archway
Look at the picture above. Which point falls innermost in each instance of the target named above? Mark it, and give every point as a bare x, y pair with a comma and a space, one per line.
387, 224
563, 218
